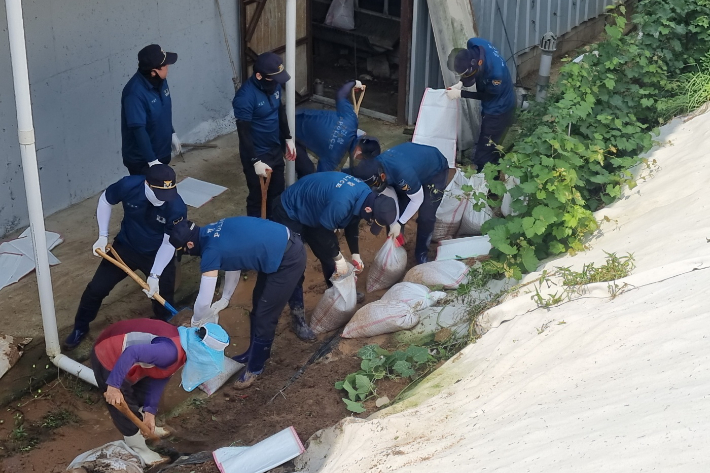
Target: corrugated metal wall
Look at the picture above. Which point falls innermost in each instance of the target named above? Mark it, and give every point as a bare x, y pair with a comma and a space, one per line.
513, 26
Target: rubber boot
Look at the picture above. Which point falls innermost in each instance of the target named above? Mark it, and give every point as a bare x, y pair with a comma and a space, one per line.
162, 432
260, 351
137, 444
298, 316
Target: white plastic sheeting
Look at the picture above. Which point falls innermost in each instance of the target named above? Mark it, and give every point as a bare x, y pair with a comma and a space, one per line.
17, 256
197, 193
597, 383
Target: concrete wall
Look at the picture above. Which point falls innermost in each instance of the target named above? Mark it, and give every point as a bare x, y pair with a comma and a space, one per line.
81, 53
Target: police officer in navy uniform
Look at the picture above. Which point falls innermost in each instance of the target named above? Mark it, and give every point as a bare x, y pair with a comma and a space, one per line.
263, 130
315, 207
481, 64
245, 243
147, 113
329, 134
151, 207
418, 174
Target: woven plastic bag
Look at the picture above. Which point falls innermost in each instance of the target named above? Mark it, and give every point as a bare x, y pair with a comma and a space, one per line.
472, 220
448, 274
389, 265
380, 317
416, 296
113, 457
450, 211
341, 14
337, 305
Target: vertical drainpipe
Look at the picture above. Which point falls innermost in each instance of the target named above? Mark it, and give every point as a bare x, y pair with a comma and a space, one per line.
25, 130
548, 45
291, 84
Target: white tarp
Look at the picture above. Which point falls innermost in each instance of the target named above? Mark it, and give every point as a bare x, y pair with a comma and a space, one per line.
594, 384
437, 123
17, 257
197, 193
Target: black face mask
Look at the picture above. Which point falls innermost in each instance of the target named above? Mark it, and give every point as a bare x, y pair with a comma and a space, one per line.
268, 86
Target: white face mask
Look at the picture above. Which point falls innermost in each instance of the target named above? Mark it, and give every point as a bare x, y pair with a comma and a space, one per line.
150, 195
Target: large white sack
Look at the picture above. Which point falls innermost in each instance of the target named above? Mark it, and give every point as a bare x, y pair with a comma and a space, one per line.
416, 296
449, 274
264, 456
337, 305
380, 317
472, 220
230, 369
388, 267
438, 123
450, 211
341, 14
113, 457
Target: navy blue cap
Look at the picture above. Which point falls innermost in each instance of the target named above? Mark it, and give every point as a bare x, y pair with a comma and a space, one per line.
271, 66
384, 212
161, 180
153, 57
183, 232
466, 64
369, 146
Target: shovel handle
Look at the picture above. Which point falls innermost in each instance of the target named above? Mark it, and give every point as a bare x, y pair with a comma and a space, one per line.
126, 411
264, 182
119, 263
356, 103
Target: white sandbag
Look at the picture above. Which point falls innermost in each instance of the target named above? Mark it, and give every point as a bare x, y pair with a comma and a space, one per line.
112, 457
450, 211
230, 368
438, 123
472, 220
416, 296
380, 317
341, 14
449, 274
388, 267
264, 456
506, 206
337, 305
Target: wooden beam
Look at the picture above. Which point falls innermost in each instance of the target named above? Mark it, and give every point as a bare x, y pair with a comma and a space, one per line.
405, 42
251, 27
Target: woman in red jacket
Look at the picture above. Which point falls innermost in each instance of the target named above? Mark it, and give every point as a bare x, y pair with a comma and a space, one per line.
134, 359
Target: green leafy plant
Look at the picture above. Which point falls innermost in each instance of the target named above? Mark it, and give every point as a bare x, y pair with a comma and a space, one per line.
378, 363
574, 156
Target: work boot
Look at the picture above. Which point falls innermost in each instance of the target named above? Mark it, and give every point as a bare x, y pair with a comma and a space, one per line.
259, 352
137, 444
360, 297
299, 325
74, 339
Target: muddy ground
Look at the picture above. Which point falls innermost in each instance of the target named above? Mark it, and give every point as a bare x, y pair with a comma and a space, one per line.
45, 430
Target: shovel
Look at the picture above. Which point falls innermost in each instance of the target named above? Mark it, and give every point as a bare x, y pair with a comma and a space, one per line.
126, 411
264, 181
119, 262
356, 103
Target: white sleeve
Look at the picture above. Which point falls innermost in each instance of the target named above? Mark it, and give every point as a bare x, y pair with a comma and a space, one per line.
204, 297
103, 215
163, 257
231, 279
415, 201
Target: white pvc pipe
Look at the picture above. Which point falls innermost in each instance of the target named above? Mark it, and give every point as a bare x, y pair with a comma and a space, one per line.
543, 77
25, 131
291, 85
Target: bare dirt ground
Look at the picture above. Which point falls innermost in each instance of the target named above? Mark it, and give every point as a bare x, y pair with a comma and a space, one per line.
45, 430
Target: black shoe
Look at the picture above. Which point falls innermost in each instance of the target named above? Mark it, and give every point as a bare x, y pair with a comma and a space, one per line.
360, 297
74, 339
299, 326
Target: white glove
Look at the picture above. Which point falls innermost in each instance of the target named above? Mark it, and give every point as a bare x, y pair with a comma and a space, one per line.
290, 149
153, 286
458, 85
341, 266
175, 142
153, 163
211, 317
358, 85
100, 244
453, 94
261, 169
395, 230
357, 263
219, 305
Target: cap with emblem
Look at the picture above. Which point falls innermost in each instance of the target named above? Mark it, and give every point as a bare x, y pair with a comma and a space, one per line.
161, 180
384, 212
370, 172
153, 57
369, 146
466, 63
271, 66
